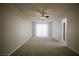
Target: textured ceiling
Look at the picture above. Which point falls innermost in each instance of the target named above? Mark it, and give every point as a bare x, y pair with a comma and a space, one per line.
32, 11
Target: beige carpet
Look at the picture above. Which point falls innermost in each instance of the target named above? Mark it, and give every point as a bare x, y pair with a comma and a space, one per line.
43, 47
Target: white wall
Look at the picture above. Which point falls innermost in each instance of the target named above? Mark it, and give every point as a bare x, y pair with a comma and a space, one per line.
15, 29
57, 29
73, 28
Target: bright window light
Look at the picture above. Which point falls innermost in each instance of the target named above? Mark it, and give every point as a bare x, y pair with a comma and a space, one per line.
41, 30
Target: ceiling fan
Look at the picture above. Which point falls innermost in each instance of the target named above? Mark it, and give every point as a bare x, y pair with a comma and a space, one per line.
43, 13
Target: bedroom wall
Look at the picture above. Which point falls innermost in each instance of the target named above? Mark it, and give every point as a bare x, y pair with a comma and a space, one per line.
73, 28
15, 29
57, 29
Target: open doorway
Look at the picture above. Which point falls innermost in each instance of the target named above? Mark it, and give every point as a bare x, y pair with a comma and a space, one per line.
64, 28
64, 31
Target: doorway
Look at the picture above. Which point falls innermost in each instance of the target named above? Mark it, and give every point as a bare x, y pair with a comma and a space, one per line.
64, 31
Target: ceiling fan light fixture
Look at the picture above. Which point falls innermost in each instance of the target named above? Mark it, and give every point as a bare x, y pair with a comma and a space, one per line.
44, 16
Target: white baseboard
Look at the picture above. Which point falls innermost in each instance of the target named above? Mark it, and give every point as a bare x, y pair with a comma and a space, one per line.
73, 49
18, 47
55, 39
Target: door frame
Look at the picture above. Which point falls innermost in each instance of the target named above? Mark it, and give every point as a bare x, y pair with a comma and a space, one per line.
64, 31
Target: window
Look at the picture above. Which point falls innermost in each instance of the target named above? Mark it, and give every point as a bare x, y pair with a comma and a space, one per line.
41, 30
